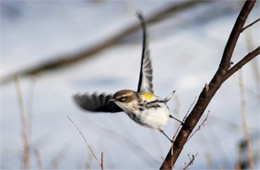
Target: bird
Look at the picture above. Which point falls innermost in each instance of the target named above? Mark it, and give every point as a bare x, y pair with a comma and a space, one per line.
142, 106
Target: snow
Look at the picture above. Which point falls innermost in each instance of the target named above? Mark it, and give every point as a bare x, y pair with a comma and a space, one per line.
185, 57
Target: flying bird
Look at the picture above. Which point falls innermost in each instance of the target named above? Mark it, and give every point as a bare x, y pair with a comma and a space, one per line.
142, 106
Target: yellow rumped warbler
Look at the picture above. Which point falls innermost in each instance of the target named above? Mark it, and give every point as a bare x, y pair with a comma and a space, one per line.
142, 105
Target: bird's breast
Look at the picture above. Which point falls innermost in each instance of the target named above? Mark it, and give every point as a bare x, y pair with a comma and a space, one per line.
155, 116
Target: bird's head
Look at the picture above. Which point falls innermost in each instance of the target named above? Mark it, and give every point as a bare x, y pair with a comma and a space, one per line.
126, 99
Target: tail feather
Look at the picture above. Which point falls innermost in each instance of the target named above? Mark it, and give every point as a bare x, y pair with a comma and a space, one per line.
168, 98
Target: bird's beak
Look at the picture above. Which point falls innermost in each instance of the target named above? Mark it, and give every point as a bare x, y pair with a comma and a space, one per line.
112, 100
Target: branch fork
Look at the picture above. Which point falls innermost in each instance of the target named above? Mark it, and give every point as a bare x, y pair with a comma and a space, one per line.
222, 74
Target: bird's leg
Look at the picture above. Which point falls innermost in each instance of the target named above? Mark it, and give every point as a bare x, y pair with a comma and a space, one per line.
181, 122
169, 97
165, 135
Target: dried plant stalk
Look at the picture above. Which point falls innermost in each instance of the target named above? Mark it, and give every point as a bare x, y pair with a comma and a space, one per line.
26, 154
85, 140
244, 121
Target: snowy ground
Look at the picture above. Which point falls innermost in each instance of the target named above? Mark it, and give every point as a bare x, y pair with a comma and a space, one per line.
185, 55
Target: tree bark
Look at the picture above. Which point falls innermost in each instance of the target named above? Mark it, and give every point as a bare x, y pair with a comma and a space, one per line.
223, 73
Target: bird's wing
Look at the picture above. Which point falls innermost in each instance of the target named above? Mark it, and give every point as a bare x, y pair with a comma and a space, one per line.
145, 84
96, 102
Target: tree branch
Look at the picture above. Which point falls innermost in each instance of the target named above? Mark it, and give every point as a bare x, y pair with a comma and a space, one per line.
249, 25
242, 62
191, 160
65, 60
209, 90
232, 40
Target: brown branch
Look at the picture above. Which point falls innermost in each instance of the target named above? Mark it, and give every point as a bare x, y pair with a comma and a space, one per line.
66, 60
230, 46
209, 90
249, 25
242, 62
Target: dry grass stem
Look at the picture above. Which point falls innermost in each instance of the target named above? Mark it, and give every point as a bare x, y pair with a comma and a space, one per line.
89, 161
29, 108
239, 159
102, 160
176, 109
59, 156
211, 157
244, 121
256, 73
254, 63
26, 154
85, 140
209, 160
38, 159
217, 143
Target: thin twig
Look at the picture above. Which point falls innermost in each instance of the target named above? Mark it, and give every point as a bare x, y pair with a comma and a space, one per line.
189, 109
244, 121
249, 25
242, 62
200, 126
85, 140
102, 160
26, 156
191, 160
179, 126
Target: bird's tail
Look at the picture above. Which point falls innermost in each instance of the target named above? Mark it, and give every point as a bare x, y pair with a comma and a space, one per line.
168, 98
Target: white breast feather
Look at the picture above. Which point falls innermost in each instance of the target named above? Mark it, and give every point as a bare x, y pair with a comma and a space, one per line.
156, 117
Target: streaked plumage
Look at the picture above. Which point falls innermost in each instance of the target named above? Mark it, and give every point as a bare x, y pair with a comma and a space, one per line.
142, 105
97, 102
145, 83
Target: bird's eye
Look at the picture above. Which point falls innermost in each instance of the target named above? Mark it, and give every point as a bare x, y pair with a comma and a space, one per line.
122, 99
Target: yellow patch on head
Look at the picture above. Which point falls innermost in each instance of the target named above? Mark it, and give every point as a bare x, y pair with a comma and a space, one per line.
148, 96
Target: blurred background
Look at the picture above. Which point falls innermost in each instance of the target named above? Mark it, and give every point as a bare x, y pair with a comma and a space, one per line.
59, 48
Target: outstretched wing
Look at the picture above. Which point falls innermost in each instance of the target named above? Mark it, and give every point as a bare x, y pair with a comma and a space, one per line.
145, 84
96, 102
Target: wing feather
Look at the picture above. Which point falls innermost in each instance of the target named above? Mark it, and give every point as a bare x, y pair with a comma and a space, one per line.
96, 102
145, 84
